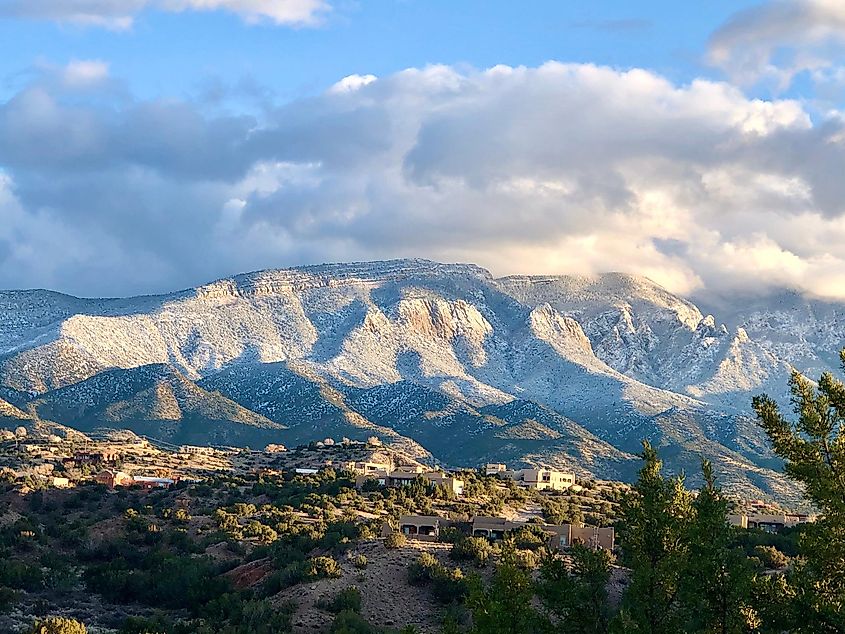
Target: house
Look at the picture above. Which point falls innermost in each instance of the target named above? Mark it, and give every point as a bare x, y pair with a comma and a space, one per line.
106, 456
112, 478
422, 527
561, 537
407, 475
196, 450
494, 468
149, 482
541, 479
364, 468
59, 482
769, 522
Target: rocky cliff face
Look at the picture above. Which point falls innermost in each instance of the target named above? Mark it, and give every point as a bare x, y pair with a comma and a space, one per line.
616, 356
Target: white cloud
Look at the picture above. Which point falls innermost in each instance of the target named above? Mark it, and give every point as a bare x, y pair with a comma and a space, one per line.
780, 39
84, 73
352, 82
560, 168
120, 14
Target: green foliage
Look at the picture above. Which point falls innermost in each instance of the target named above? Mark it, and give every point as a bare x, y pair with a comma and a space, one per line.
347, 600
716, 585
322, 568
476, 549
57, 625
506, 604
771, 557
395, 540
813, 447
574, 591
656, 517
352, 623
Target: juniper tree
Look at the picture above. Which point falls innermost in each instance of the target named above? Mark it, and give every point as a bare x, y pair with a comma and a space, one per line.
717, 584
655, 522
574, 592
813, 447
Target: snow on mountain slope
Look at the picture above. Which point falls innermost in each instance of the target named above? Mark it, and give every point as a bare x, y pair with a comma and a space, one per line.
646, 333
617, 355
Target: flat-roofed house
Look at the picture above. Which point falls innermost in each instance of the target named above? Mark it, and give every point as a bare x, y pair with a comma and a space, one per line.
422, 527
112, 478
542, 479
561, 537
402, 477
770, 522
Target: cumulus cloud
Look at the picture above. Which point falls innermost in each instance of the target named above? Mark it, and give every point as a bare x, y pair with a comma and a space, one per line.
120, 14
561, 168
779, 39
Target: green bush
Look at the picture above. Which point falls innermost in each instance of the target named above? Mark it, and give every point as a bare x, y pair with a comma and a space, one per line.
395, 540
347, 600
322, 568
477, 549
771, 557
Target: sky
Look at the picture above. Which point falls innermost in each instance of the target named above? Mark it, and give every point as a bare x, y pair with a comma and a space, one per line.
153, 145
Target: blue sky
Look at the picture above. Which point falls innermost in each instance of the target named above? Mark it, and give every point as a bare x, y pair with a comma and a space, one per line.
147, 145
180, 54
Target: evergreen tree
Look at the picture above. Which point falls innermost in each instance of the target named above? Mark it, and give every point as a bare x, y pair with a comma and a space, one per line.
655, 523
504, 605
574, 592
717, 585
813, 447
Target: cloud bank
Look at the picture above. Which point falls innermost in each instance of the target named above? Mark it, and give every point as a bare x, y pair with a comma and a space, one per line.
563, 168
780, 39
120, 14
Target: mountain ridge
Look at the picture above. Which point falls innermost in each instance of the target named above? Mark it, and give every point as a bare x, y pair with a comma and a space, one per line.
617, 355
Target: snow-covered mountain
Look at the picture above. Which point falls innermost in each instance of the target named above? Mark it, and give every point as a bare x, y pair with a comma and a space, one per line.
558, 370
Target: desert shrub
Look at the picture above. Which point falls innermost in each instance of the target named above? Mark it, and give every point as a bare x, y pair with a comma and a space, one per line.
360, 562
530, 537
352, 623
57, 625
395, 540
347, 600
422, 570
771, 557
446, 585
477, 549
322, 568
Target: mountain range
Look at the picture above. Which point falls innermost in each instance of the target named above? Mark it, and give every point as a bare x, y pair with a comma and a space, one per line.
443, 359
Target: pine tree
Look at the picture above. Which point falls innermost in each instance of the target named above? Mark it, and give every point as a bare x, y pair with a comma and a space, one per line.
814, 450
574, 591
655, 522
717, 585
506, 605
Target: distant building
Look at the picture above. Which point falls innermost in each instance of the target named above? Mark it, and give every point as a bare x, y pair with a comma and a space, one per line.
112, 478
541, 479
274, 448
769, 522
196, 450
402, 476
149, 482
96, 458
494, 468
422, 527
561, 537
